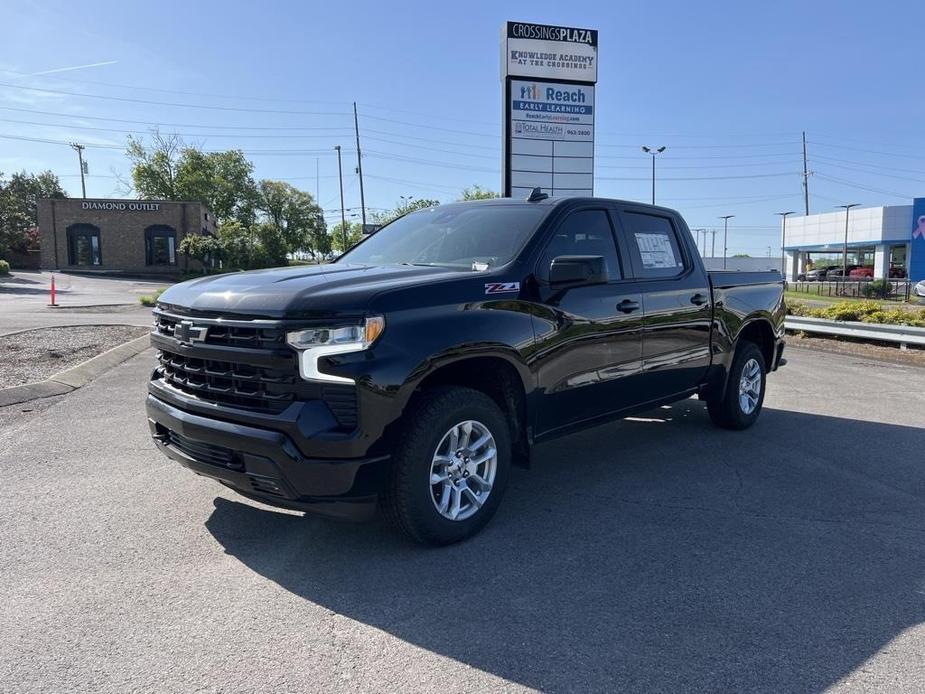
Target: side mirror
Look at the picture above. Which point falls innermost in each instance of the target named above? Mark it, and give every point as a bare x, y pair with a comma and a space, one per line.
577, 269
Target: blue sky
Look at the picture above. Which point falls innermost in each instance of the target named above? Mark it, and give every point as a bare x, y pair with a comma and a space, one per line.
727, 87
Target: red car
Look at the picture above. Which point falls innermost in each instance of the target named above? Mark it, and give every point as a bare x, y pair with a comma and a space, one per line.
862, 273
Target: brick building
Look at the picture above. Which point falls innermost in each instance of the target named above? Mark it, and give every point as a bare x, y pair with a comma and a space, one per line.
128, 236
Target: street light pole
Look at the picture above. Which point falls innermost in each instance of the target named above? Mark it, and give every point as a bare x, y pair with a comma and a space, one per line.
343, 214
726, 219
653, 151
844, 257
783, 242
713, 245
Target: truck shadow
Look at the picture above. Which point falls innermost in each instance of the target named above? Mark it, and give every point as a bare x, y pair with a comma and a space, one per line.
653, 554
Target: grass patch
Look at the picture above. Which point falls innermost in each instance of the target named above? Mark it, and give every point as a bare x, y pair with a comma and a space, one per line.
862, 311
150, 299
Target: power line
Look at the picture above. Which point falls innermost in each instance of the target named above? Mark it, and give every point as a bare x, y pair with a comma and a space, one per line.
858, 186
338, 131
210, 107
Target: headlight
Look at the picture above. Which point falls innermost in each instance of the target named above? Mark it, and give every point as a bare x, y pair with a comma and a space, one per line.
314, 343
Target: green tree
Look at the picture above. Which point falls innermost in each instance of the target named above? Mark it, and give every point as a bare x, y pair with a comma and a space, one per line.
166, 168
295, 215
202, 247
403, 208
476, 192
238, 245
19, 198
354, 234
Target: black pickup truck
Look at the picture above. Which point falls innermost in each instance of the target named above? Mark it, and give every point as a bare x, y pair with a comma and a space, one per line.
416, 369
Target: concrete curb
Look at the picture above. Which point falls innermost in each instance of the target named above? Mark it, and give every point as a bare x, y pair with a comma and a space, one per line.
76, 376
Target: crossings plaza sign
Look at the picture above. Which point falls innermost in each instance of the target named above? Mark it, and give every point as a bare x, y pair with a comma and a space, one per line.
548, 74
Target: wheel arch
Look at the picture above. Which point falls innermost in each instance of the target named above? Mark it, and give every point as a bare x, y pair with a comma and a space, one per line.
502, 378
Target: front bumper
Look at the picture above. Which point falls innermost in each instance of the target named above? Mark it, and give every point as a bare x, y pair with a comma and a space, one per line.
266, 465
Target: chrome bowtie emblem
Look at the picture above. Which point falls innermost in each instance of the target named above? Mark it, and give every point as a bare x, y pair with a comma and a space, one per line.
185, 331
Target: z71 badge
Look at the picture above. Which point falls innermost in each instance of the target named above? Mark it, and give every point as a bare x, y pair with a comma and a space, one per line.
502, 287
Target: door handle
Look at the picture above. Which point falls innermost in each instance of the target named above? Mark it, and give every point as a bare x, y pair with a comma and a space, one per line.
699, 299
628, 306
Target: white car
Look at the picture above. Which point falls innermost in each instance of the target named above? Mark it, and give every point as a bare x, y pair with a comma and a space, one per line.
919, 289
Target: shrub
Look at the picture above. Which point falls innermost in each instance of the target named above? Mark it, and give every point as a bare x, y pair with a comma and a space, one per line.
4, 267
150, 299
879, 289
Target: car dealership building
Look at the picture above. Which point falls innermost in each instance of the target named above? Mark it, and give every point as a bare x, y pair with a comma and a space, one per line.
891, 239
136, 237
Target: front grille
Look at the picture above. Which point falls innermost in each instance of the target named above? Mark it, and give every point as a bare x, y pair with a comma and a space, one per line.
243, 366
229, 383
205, 452
257, 337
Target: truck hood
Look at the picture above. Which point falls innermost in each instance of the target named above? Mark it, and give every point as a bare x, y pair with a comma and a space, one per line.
307, 291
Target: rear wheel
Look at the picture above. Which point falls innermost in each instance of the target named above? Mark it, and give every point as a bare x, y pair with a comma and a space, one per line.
743, 398
450, 468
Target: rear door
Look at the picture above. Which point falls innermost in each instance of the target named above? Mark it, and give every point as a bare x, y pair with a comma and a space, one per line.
676, 301
589, 338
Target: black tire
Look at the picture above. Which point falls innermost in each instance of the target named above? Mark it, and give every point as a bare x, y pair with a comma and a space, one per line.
408, 500
728, 412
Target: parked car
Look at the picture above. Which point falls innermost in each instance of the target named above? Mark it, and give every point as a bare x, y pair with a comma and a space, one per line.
816, 274
433, 355
861, 273
919, 288
837, 273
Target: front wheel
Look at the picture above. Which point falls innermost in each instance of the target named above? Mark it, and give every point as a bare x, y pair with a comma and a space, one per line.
451, 467
741, 402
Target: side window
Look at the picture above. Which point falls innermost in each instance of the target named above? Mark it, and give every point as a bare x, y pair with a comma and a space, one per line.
586, 232
654, 242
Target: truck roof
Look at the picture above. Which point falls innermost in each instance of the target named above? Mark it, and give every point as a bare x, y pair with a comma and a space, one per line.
556, 201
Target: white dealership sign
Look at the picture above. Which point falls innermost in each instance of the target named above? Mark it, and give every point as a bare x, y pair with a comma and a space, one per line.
548, 73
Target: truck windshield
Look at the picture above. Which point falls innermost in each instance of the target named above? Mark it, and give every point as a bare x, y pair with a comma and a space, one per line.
467, 237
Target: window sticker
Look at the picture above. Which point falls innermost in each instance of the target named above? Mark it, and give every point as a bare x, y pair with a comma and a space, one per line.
656, 251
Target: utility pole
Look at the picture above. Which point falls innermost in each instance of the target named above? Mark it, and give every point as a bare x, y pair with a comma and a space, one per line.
805, 178
844, 257
702, 233
713, 247
317, 179
783, 242
653, 151
726, 219
80, 158
343, 214
356, 127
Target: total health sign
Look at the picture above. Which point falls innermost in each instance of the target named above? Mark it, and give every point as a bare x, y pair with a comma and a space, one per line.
548, 74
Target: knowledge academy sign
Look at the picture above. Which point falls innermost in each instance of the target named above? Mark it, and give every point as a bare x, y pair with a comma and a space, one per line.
554, 52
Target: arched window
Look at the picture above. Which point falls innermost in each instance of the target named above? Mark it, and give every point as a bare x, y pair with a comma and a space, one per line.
160, 245
83, 245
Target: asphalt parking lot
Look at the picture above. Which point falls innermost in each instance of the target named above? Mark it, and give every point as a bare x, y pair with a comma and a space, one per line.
656, 554
81, 299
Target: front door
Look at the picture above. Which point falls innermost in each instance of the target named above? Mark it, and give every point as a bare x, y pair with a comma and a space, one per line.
589, 338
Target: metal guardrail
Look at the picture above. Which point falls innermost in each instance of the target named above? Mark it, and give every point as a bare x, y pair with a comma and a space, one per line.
902, 334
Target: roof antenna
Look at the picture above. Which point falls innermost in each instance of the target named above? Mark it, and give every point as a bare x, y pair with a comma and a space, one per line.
537, 195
